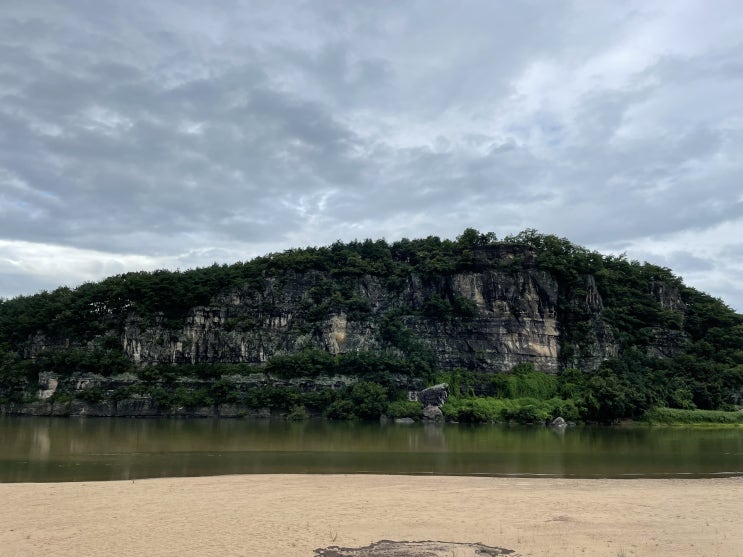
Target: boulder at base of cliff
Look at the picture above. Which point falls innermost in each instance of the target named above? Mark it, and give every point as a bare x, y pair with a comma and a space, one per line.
434, 396
404, 421
433, 414
559, 422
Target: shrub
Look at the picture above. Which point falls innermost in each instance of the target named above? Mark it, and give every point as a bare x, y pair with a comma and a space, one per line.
162, 398
192, 398
298, 414
524, 381
404, 409
370, 400
94, 395
473, 410
530, 414
278, 398
318, 400
340, 410
224, 390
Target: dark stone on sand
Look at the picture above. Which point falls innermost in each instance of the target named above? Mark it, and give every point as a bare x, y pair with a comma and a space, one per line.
387, 548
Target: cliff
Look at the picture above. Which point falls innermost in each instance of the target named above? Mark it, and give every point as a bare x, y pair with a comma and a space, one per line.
372, 310
487, 320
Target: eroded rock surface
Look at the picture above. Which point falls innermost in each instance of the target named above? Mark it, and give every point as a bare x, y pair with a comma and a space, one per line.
503, 312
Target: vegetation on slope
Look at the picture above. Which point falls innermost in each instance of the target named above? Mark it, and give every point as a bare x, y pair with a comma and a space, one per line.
706, 374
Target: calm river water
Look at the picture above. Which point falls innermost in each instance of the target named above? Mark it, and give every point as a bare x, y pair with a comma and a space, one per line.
80, 449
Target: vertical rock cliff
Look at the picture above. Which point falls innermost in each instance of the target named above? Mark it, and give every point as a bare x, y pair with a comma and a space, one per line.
489, 320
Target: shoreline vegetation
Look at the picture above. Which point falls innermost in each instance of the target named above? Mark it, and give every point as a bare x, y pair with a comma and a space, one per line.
296, 515
368, 403
677, 417
523, 396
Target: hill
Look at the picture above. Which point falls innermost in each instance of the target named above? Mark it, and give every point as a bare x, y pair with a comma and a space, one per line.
346, 330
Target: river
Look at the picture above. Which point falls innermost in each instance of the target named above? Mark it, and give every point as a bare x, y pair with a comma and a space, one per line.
87, 449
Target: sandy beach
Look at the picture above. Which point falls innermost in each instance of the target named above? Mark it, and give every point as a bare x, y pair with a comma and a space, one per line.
293, 515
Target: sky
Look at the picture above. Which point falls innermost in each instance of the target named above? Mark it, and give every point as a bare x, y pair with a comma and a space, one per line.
143, 135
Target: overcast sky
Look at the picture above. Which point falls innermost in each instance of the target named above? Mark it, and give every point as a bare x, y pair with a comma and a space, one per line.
156, 134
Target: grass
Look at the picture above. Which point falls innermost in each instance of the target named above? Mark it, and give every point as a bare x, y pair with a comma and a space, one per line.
675, 416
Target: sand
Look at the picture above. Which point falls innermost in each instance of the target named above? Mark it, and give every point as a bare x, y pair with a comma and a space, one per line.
292, 515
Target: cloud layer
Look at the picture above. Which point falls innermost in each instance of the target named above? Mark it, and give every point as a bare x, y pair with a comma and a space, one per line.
141, 135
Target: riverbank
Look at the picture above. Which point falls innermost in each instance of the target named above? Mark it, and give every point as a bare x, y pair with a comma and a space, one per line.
292, 515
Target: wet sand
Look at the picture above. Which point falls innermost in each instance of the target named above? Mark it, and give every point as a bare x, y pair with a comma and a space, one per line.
292, 515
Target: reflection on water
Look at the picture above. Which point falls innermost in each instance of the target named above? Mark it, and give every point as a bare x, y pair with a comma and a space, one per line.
77, 449
41, 443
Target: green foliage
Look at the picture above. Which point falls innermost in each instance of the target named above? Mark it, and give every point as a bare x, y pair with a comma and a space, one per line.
192, 398
403, 409
521, 410
395, 334
524, 381
437, 307
472, 410
298, 414
367, 365
310, 363
676, 416
609, 398
93, 395
530, 414
65, 362
162, 397
443, 308
169, 373
16, 376
370, 400
61, 397
123, 393
318, 401
528, 396
274, 397
340, 410
224, 391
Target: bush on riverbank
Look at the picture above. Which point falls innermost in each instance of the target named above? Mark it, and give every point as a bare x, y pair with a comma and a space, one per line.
676, 416
403, 409
520, 410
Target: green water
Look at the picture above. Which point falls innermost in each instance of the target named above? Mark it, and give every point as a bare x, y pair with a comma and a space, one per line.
59, 449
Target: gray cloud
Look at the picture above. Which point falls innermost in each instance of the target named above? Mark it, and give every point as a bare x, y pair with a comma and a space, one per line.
183, 135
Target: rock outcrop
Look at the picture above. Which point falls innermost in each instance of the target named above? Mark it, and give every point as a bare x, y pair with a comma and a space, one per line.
512, 319
433, 414
505, 311
435, 395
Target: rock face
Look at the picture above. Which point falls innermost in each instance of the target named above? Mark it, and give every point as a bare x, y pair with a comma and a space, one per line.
48, 383
512, 320
502, 313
